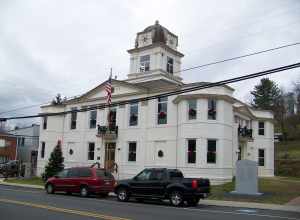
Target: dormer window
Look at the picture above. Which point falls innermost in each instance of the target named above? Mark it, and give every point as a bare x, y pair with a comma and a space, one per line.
145, 63
170, 62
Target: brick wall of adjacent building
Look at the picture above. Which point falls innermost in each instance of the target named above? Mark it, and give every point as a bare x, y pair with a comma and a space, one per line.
8, 151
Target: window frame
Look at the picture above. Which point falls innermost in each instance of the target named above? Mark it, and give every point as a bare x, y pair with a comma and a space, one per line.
89, 151
170, 65
160, 104
214, 105
259, 157
144, 63
73, 121
45, 122
211, 152
261, 128
131, 106
43, 149
194, 156
190, 117
129, 159
92, 120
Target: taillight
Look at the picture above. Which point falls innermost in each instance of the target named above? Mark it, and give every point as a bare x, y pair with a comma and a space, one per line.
194, 184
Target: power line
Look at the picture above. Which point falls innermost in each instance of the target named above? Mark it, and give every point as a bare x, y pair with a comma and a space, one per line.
177, 92
239, 57
183, 70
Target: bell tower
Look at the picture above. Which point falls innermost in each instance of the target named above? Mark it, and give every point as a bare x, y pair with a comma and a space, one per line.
155, 56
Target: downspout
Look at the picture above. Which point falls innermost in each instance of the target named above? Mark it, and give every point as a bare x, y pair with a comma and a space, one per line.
177, 124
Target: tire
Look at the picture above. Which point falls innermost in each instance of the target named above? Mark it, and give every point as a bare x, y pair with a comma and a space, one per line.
176, 198
84, 191
50, 188
193, 201
122, 194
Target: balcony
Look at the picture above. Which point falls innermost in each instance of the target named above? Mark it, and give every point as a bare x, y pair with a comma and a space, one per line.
245, 133
108, 132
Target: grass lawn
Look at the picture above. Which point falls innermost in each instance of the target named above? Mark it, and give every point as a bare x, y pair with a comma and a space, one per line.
277, 190
31, 181
287, 150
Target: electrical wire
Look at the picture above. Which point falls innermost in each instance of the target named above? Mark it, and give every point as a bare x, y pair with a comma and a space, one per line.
177, 92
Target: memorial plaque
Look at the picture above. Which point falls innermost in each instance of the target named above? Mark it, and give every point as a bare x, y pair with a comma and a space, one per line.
246, 181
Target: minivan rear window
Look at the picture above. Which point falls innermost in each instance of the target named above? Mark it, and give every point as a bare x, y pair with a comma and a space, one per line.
104, 173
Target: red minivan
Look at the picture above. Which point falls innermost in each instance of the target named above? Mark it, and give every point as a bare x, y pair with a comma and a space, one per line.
83, 180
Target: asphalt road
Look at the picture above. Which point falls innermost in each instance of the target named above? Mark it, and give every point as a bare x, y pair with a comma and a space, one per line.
17, 203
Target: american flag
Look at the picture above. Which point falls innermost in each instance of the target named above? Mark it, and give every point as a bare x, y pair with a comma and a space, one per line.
108, 88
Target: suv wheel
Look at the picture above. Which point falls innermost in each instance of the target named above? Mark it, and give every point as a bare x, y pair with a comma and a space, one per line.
122, 194
50, 188
176, 198
84, 192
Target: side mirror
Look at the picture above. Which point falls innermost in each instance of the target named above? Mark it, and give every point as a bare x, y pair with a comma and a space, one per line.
135, 178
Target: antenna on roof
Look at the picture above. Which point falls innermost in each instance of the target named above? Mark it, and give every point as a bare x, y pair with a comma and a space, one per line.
116, 76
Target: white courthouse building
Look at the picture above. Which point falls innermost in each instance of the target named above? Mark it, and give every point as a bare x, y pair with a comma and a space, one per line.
202, 133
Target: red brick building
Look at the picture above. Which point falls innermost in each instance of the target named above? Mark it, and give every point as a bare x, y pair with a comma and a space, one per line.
8, 147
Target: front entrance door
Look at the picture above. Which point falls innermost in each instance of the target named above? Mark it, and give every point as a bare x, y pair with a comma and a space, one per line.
110, 150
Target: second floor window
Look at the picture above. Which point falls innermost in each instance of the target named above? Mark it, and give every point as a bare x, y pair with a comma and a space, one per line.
43, 149
132, 151
212, 109
73, 118
93, 118
45, 119
162, 110
192, 109
145, 63
261, 157
133, 114
191, 151
170, 63
261, 128
91, 151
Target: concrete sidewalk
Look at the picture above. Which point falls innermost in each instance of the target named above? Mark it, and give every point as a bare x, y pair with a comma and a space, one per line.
249, 205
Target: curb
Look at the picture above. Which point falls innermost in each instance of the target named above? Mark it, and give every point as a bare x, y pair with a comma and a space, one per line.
208, 202
251, 205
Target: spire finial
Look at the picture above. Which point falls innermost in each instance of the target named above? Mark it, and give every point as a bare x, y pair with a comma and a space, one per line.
156, 22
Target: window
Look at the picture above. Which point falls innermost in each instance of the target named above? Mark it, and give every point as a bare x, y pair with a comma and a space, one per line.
93, 119
73, 118
112, 117
21, 141
43, 150
162, 110
91, 151
104, 173
176, 174
2, 143
45, 119
144, 175
192, 109
261, 157
133, 115
84, 172
211, 151
145, 63
170, 63
191, 151
261, 128
132, 151
73, 173
158, 175
212, 109
63, 174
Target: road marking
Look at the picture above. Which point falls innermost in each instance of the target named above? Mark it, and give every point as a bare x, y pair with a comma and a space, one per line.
18, 190
247, 210
69, 211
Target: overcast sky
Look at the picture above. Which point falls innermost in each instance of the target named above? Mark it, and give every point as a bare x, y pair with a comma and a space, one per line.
68, 46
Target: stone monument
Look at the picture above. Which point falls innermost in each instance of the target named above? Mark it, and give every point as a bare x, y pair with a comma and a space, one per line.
246, 181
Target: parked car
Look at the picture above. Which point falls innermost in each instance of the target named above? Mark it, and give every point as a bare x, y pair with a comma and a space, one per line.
83, 180
10, 168
163, 184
